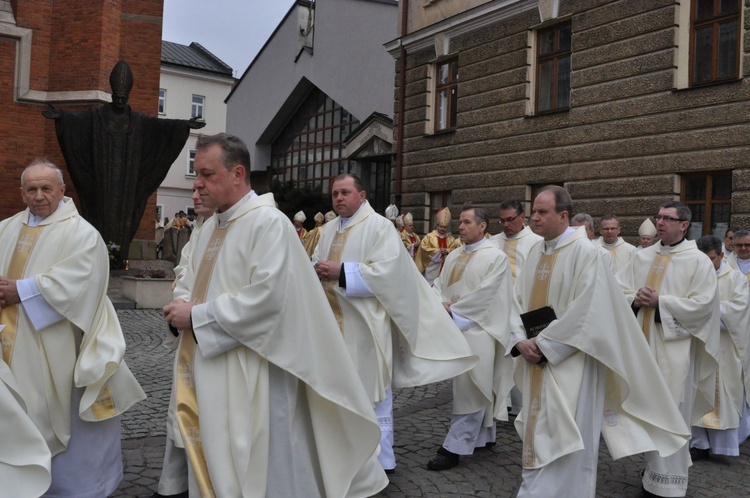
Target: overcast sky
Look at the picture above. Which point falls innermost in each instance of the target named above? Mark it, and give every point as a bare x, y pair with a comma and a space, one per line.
233, 30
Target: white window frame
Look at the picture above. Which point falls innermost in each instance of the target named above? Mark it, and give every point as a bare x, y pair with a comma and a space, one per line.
198, 106
190, 171
162, 106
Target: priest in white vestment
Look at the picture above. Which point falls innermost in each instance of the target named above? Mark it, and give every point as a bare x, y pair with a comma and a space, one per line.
516, 238
61, 336
585, 220
717, 432
740, 257
672, 288
476, 288
647, 233
588, 366
621, 251
174, 470
267, 399
394, 325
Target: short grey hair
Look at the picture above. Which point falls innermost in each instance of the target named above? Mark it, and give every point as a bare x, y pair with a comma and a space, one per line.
584, 218
43, 161
739, 234
233, 151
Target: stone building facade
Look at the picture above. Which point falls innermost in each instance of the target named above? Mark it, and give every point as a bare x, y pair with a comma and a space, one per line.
626, 103
61, 53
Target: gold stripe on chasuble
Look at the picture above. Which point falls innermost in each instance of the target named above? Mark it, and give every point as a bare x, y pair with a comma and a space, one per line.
457, 272
654, 279
509, 248
334, 254
539, 299
187, 402
712, 419
9, 314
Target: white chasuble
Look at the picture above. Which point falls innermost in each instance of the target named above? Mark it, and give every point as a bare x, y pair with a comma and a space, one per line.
70, 265
685, 343
594, 319
733, 374
517, 249
401, 336
281, 410
485, 296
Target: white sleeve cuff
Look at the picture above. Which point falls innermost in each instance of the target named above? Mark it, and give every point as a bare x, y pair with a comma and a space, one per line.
41, 314
355, 284
554, 351
461, 321
212, 339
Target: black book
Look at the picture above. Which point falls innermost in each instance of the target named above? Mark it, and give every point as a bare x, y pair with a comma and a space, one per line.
537, 320
534, 322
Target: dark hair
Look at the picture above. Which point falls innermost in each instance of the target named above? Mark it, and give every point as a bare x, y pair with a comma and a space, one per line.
563, 202
683, 212
609, 216
733, 230
480, 214
357, 181
739, 234
512, 204
709, 243
233, 150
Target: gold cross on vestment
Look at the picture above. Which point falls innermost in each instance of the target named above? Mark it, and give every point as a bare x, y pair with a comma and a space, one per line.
213, 249
543, 272
659, 267
25, 243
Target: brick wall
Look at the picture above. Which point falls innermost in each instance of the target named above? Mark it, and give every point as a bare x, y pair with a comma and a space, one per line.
75, 45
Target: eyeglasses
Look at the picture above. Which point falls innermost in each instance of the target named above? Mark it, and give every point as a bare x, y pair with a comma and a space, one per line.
659, 217
509, 220
742, 246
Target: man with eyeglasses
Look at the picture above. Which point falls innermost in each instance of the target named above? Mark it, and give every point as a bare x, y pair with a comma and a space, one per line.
728, 242
740, 257
621, 251
516, 238
672, 288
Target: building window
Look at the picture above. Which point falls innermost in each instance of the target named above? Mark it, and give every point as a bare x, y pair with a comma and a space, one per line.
191, 163
446, 94
162, 101
311, 148
715, 41
198, 108
709, 197
553, 68
438, 200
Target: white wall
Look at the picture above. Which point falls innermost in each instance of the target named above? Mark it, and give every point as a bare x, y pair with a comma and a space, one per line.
176, 189
349, 64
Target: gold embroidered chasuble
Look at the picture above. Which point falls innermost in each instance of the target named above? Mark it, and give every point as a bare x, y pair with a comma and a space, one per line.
517, 248
479, 284
279, 339
585, 297
734, 371
399, 336
689, 309
70, 266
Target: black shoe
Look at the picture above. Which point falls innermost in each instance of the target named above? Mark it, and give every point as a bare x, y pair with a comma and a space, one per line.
699, 454
486, 447
647, 494
390, 471
184, 494
443, 461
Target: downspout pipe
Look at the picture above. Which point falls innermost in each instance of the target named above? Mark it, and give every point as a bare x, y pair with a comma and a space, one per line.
401, 104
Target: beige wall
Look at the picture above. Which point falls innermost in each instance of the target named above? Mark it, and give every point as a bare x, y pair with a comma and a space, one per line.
423, 13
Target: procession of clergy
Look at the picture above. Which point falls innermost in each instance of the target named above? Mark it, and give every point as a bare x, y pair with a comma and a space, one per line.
287, 353
693, 317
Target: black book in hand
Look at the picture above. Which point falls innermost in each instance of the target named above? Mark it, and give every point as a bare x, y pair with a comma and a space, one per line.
534, 322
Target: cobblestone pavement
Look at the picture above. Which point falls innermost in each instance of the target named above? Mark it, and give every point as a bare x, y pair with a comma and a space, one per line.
422, 416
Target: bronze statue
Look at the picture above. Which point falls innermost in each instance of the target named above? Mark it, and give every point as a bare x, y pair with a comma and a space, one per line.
117, 158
